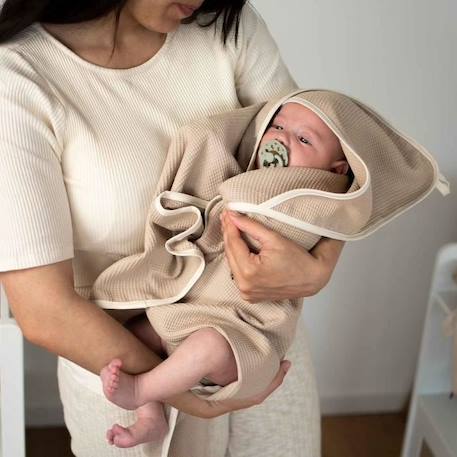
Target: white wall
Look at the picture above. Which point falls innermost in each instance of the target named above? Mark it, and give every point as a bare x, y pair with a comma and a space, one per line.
400, 57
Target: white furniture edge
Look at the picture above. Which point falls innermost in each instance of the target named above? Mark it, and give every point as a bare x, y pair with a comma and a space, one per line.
420, 420
12, 424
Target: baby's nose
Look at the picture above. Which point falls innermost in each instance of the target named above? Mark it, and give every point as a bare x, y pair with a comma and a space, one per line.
282, 138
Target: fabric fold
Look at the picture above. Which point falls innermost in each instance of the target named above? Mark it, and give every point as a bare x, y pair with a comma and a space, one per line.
182, 279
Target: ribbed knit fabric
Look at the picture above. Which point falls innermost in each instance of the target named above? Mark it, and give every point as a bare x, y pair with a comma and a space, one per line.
82, 146
182, 278
199, 160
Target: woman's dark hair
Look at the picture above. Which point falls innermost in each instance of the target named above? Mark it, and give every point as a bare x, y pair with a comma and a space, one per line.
16, 15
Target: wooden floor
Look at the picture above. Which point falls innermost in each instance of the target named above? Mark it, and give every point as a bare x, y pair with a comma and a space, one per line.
363, 436
342, 436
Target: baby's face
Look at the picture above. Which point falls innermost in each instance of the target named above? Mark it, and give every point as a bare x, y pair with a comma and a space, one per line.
309, 141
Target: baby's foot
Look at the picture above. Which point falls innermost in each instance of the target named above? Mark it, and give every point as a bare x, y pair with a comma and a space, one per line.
144, 430
119, 387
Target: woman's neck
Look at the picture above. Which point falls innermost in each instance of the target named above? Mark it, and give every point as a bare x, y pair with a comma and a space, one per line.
93, 41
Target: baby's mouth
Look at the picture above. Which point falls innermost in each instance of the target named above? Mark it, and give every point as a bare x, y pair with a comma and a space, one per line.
273, 154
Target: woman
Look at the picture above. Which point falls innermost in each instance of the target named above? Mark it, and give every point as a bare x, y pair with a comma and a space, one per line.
90, 95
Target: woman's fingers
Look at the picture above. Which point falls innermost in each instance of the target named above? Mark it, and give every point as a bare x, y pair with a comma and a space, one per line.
254, 229
236, 250
246, 267
253, 272
264, 275
282, 269
242, 261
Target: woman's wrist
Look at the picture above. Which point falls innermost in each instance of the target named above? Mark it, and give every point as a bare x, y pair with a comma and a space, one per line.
190, 404
326, 253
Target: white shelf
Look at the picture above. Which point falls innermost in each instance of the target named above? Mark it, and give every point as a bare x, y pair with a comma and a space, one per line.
441, 413
12, 430
434, 373
433, 414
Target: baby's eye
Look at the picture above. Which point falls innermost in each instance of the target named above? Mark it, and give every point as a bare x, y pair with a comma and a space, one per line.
277, 127
303, 140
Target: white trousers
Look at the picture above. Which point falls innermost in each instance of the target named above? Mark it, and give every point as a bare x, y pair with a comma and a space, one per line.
287, 424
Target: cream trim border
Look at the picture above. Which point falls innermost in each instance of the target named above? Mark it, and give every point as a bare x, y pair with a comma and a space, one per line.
265, 208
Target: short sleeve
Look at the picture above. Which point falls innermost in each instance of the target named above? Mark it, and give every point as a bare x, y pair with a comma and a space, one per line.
260, 73
35, 220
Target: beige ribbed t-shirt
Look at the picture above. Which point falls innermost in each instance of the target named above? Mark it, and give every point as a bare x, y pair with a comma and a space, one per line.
82, 146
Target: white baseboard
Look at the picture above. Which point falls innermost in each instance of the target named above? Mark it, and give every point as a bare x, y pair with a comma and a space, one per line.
363, 404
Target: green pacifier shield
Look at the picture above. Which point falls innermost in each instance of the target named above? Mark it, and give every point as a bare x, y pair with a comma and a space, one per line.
274, 154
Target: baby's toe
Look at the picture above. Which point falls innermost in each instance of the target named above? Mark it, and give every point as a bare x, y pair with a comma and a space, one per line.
116, 428
110, 436
122, 437
115, 364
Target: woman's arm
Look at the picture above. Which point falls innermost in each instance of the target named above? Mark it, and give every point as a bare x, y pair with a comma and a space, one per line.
53, 316
282, 269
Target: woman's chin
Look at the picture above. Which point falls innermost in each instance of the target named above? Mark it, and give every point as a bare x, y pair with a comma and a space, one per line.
164, 26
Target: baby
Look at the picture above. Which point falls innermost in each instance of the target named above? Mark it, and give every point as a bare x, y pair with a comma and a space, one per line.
296, 137
305, 139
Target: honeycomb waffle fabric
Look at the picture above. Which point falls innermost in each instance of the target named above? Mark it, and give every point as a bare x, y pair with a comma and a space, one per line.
182, 279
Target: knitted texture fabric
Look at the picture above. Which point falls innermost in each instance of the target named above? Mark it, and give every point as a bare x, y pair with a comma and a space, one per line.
182, 278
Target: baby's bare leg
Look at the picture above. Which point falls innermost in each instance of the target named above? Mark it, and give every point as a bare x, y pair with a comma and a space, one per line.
151, 423
205, 353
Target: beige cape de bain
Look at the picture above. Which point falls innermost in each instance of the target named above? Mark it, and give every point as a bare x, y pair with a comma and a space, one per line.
182, 279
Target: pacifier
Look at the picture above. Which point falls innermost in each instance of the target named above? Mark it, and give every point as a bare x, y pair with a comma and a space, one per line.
273, 154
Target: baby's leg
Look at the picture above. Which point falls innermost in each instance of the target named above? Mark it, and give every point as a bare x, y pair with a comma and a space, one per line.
205, 353
151, 425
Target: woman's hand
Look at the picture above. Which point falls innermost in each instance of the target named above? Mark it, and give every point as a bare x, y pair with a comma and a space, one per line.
282, 269
191, 404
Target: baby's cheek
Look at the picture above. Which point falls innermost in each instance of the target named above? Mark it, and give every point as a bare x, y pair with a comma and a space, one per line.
294, 159
269, 135
298, 159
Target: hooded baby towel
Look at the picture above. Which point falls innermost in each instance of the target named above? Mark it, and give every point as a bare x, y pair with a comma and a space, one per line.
182, 279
